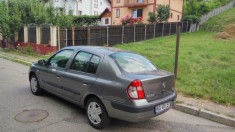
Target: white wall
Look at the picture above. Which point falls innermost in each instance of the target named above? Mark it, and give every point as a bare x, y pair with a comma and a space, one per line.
86, 6
103, 21
68, 4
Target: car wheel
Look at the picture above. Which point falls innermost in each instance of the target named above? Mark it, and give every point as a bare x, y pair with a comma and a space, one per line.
96, 114
34, 85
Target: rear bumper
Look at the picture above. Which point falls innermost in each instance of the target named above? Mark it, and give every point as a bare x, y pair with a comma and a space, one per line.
137, 110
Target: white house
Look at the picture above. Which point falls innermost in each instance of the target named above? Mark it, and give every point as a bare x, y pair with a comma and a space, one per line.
83, 7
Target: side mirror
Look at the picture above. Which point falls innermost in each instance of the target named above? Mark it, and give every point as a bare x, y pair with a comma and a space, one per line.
42, 62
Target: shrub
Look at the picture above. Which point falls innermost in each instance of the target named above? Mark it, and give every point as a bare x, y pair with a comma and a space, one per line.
152, 17
131, 20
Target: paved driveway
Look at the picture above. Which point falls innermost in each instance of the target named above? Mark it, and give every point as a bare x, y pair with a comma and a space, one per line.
15, 97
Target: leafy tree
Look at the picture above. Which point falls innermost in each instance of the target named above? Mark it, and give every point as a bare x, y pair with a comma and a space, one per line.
163, 13
152, 17
10, 19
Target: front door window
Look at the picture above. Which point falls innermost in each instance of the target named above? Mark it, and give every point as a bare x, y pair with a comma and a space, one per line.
61, 58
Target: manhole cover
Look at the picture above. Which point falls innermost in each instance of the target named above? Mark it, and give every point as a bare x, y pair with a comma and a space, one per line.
29, 116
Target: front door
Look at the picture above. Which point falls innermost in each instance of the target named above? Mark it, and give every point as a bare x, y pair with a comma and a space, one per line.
80, 75
51, 73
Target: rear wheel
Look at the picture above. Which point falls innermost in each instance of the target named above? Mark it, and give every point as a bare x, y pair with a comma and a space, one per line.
34, 85
96, 114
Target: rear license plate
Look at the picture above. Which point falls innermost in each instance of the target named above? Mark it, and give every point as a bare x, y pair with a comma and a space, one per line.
162, 107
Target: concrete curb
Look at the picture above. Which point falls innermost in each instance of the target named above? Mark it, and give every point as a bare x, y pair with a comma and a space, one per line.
205, 114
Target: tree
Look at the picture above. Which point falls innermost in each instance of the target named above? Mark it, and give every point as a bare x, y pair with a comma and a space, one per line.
10, 20
163, 13
152, 17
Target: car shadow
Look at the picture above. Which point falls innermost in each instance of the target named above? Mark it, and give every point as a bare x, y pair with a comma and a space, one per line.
78, 115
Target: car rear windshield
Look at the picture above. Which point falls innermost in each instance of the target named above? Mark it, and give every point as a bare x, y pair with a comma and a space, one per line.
132, 63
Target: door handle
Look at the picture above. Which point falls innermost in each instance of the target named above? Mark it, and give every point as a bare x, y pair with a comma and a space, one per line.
58, 76
84, 83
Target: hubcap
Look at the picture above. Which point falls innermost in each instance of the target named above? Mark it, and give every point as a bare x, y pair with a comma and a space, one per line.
34, 84
94, 112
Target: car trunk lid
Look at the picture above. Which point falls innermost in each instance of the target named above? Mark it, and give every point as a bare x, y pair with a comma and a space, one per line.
156, 84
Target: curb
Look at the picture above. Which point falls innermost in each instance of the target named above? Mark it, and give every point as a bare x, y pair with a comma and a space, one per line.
205, 114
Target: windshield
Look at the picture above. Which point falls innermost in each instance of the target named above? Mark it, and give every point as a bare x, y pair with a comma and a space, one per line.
132, 63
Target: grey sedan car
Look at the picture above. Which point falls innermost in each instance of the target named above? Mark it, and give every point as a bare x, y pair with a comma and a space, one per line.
107, 82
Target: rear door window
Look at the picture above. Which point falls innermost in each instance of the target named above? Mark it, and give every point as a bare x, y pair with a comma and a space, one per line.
93, 64
132, 63
85, 62
81, 61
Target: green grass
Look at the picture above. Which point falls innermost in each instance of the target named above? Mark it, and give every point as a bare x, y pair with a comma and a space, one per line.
206, 66
225, 18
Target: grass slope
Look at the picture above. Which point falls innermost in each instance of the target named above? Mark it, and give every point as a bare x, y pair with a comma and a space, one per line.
224, 18
206, 66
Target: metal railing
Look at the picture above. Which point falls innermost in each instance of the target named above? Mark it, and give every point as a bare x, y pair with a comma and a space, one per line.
133, 2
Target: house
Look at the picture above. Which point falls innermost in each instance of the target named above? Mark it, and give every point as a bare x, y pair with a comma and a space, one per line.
82, 7
105, 17
138, 8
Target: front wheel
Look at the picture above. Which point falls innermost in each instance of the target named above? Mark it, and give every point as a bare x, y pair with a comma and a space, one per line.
34, 85
96, 114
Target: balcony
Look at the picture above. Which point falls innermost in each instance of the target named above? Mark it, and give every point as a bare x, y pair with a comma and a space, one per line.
136, 3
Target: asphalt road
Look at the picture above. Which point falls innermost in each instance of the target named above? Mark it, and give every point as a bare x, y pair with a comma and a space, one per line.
15, 97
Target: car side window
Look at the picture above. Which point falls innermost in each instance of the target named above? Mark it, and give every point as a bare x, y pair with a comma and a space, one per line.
93, 64
61, 58
81, 61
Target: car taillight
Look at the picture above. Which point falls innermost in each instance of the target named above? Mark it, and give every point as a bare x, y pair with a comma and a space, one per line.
135, 90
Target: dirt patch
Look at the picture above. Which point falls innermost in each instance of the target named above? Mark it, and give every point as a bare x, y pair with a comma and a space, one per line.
229, 33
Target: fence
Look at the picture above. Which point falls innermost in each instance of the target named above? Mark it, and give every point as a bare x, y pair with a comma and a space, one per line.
112, 35
216, 11
213, 27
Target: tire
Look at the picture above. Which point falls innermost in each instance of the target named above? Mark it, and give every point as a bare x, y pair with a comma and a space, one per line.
96, 114
34, 85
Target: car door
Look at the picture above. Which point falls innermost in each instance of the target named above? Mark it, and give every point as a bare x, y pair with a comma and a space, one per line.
50, 73
81, 74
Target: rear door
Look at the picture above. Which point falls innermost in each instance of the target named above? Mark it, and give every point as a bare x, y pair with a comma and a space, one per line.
50, 74
80, 75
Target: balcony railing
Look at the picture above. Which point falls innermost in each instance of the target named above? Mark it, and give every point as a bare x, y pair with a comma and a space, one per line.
136, 3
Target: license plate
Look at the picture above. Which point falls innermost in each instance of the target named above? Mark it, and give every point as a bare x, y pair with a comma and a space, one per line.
162, 107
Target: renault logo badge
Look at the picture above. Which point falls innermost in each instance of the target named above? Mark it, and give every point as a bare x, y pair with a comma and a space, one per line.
164, 85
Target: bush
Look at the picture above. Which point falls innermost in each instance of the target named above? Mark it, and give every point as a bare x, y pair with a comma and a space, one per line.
152, 17
163, 13
28, 50
131, 20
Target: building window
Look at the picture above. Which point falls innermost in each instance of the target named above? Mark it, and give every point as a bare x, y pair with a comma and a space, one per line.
178, 17
118, 1
56, 0
95, 5
106, 21
80, 1
140, 1
137, 13
79, 13
117, 13
171, 15
100, 3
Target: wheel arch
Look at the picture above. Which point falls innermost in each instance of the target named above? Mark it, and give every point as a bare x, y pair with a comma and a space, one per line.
89, 96
31, 73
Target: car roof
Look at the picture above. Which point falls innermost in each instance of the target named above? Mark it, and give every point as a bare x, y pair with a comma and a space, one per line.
100, 49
